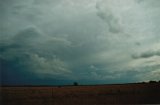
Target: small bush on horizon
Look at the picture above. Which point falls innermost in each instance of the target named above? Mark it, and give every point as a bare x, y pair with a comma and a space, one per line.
75, 83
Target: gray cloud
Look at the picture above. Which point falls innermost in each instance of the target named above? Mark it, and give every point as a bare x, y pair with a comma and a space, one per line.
107, 16
82, 39
147, 54
27, 51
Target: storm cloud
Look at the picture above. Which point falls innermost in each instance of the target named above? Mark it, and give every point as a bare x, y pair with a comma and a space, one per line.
101, 41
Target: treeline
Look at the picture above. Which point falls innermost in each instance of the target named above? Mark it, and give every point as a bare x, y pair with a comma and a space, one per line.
151, 81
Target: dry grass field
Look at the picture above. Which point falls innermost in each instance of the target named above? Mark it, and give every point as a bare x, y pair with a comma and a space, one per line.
140, 93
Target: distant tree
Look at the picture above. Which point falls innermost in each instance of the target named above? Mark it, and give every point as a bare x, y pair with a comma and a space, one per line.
75, 83
152, 82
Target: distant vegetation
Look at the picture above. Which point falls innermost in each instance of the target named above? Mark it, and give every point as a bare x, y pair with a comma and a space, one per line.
135, 93
75, 83
151, 81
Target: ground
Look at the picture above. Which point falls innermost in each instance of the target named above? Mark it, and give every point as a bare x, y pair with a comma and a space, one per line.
139, 93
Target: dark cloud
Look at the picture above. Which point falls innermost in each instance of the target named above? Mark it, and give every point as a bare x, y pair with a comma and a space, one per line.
147, 54
85, 40
26, 53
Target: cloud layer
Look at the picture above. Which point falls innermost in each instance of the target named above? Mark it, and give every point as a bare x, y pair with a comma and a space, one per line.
101, 41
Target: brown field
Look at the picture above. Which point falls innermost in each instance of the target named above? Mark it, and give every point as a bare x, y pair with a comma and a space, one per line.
142, 93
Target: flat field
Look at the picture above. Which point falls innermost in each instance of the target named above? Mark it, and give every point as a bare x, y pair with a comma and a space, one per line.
140, 93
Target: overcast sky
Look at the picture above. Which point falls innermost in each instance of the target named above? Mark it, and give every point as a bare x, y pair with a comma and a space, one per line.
88, 41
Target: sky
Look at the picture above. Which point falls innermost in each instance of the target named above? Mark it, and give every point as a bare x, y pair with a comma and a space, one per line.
57, 42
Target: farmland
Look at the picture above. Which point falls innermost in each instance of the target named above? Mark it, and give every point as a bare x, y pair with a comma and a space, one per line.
140, 93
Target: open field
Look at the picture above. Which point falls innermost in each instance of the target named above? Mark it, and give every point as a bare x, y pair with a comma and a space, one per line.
142, 93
